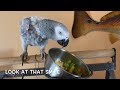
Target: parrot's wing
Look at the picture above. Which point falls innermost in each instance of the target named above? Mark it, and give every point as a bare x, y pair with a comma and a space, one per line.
34, 20
24, 25
43, 36
113, 37
40, 34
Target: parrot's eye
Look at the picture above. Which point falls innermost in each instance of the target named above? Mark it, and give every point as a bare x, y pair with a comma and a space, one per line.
60, 33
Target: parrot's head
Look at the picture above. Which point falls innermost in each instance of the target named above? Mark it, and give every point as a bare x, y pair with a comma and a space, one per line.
61, 35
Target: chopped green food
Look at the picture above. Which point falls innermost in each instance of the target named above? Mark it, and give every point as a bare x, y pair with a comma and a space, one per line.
58, 62
70, 67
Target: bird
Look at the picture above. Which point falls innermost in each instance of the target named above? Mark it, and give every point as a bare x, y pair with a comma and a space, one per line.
84, 24
36, 31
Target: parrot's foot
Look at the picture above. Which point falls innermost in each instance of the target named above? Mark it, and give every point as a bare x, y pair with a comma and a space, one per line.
43, 56
24, 57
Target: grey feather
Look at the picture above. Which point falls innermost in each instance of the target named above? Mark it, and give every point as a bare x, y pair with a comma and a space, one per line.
39, 32
36, 31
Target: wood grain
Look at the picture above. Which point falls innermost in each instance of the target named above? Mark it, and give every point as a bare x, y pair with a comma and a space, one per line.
5, 62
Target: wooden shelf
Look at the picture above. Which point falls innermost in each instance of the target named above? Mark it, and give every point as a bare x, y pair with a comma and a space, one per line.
5, 63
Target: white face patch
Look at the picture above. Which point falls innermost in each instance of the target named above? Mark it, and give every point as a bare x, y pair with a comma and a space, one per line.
61, 33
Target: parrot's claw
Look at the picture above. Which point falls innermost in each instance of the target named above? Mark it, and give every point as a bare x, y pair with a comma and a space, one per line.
43, 54
24, 57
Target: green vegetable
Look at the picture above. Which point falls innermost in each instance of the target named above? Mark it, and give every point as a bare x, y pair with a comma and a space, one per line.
68, 64
70, 67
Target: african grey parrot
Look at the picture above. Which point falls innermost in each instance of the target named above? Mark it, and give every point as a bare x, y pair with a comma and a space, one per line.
37, 31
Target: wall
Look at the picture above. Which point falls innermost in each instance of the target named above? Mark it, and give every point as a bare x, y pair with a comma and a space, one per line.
10, 44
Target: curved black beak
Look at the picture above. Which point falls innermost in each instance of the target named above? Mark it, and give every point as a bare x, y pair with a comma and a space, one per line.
63, 42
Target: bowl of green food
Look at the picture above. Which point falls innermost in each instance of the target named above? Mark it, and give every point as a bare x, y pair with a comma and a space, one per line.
63, 65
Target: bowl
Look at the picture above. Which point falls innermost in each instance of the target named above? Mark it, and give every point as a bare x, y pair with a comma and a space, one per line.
53, 70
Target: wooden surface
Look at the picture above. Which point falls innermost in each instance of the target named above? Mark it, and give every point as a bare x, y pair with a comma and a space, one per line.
9, 63
81, 54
